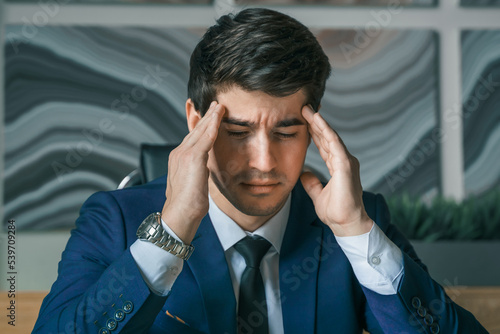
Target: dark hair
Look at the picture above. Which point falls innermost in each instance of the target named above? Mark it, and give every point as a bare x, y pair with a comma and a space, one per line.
258, 50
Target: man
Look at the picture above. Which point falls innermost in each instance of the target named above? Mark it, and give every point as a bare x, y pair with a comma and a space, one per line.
330, 261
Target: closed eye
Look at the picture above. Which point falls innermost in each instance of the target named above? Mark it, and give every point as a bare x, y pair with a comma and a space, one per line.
237, 134
283, 135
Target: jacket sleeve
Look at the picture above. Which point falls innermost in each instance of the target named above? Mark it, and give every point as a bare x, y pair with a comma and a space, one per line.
421, 304
99, 287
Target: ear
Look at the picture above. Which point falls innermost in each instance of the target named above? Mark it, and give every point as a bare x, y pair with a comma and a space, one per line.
193, 116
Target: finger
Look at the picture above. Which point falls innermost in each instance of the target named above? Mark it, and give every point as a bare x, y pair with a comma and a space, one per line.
317, 137
325, 154
330, 140
213, 124
206, 130
314, 130
308, 113
309, 116
311, 184
319, 134
204, 121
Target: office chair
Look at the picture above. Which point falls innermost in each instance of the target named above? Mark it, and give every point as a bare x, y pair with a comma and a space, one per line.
153, 164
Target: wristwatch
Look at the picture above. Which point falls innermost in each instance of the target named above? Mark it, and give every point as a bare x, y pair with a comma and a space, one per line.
151, 230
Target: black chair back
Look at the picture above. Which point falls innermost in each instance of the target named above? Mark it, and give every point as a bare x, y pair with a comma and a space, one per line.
153, 163
154, 160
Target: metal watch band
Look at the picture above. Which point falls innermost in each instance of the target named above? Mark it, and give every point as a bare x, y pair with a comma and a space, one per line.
152, 231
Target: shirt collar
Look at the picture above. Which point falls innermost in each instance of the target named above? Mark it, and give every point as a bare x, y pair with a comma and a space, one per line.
229, 233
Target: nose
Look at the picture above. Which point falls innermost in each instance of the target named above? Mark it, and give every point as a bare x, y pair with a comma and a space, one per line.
261, 154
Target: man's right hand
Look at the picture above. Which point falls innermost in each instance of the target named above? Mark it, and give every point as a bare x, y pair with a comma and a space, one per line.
187, 178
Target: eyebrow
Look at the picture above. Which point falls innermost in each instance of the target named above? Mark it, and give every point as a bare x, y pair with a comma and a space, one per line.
289, 122
281, 124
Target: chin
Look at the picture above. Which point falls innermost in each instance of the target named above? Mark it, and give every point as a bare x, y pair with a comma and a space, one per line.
259, 212
258, 207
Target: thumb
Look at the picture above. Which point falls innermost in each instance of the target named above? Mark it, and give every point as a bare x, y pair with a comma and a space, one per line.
311, 184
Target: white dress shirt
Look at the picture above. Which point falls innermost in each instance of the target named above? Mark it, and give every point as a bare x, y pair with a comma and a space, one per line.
376, 261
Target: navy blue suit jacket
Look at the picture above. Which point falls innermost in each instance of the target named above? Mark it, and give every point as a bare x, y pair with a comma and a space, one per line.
100, 285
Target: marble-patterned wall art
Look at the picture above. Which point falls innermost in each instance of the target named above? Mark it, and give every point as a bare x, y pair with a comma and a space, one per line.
80, 100
383, 100
93, 2
481, 110
387, 3
480, 3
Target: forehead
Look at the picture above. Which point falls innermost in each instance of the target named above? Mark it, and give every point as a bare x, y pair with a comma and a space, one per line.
259, 107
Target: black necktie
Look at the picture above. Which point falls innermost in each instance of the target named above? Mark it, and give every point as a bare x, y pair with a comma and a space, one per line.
252, 306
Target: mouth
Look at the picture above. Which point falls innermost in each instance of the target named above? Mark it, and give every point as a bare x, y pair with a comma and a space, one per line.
260, 188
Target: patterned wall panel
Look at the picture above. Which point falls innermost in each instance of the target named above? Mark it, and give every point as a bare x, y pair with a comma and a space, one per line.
382, 99
388, 3
479, 3
80, 100
481, 109
176, 2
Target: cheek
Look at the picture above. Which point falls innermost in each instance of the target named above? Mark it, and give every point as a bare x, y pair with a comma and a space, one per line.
226, 156
227, 147
293, 157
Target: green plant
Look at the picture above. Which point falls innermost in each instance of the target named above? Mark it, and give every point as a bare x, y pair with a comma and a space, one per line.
476, 218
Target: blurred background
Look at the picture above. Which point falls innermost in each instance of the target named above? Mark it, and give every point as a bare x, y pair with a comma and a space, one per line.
415, 95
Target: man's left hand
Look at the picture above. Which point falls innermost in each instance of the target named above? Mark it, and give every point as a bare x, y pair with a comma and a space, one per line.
339, 204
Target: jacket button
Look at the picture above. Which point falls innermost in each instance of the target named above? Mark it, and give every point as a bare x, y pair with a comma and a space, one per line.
111, 324
422, 311
119, 315
415, 302
428, 319
434, 328
103, 331
128, 307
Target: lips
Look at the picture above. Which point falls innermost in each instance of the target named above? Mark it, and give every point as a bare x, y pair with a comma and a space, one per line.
260, 188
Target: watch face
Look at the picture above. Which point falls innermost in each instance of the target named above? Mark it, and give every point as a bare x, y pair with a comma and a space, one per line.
142, 229
147, 228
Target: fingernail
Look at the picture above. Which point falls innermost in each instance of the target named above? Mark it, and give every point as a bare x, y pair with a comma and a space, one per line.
212, 104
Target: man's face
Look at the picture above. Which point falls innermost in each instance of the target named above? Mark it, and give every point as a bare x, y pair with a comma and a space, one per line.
259, 152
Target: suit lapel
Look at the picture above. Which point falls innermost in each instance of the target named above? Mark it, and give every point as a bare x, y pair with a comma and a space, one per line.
299, 263
209, 266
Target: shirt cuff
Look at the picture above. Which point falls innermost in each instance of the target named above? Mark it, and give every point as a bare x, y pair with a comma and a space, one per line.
158, 267
377, 262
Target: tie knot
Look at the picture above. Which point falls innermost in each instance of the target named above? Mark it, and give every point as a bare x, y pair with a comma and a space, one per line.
253, 249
